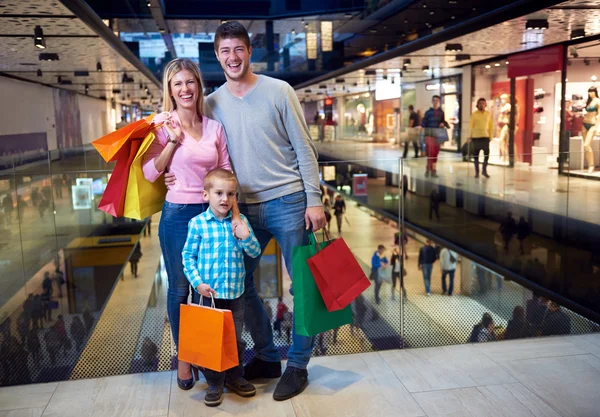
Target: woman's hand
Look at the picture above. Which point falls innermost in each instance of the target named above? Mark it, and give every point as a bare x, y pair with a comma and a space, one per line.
170, 179
205, 290
173, 128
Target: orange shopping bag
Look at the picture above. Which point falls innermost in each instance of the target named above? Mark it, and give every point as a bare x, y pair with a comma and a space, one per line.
207, 337
109, 145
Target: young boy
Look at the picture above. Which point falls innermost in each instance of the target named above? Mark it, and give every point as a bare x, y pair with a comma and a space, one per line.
213, 262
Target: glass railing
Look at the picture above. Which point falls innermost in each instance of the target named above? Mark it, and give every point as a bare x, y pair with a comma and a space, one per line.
55, 227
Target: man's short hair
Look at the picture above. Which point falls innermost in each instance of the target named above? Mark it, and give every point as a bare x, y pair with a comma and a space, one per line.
218, 174
481, 99
231, 30
436, 96
486, 320
411, 107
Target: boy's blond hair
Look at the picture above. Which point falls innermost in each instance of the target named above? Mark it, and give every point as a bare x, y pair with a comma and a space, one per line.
218, 174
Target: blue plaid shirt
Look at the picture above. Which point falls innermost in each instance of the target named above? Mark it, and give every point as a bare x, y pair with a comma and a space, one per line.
213, 255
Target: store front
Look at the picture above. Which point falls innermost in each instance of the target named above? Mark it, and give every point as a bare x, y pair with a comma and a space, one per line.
387, 110
358, 121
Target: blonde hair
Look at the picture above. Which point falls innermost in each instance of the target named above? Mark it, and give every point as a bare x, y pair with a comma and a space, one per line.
173, 68
218, 174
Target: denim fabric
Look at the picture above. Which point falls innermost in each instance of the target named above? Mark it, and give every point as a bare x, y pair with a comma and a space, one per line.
283, 219
237, 311
426, 268
450, 273
172, 232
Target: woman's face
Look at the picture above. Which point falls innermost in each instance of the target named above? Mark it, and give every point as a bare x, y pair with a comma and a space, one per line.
592, 94
184, 89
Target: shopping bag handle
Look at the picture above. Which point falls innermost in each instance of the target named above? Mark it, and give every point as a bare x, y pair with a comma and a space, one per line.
212, 301
316, 241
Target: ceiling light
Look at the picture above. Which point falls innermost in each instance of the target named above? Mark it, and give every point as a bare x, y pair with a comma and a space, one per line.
536, 24
161, 30
370, 72
426, 68
506, 62
87, 88
223, 21
293, 31
340, 80
149, 4
454, 47
98, 67
405, 20
594, 78
308, 90
424, 6
39, 40
431, 13
39, 73
406, 62
452, 17
373, 31
452, 2
48, 57
147, 90
577, 33
488, 66
463, 57
306, 25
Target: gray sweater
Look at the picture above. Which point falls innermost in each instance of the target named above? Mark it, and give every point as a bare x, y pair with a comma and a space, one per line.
268, 141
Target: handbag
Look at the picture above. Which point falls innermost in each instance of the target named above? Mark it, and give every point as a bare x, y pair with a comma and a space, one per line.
338, 275
142, 197
207, 337
113, 198
311, 316
441, 135
109, 145
384, 274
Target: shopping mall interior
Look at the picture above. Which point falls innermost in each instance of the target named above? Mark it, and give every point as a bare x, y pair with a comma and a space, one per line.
393, 94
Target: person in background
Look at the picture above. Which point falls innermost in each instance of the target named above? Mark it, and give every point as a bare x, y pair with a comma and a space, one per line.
434, 205
536, 309
556, 321
122, 123
378, 260
517, 327
486, 334
427, 257
339, 209
327, 208
448, 260
134, 259
269, 311
481, 134
522, 233
411, 135
282, 308
148, 228
397, 274
8, 206
433, 120
508, 228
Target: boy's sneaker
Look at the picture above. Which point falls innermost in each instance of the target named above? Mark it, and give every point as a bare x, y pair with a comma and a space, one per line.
257, 368
292, 383
241, 387
214, 396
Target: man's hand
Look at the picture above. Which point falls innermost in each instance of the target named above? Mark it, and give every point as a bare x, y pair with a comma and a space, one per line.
315, 216
241, 230
169, 179
205, 290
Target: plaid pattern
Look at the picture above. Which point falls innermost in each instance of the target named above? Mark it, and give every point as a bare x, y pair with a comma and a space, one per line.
213, 255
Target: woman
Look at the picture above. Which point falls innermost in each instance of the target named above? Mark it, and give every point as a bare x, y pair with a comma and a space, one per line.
590, 128
517, 327
189, 145
396, 262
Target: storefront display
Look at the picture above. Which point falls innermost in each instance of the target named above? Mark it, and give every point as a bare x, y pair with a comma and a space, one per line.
358, 121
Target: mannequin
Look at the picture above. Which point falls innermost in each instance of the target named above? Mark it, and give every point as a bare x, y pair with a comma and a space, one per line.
503, 122
590, 126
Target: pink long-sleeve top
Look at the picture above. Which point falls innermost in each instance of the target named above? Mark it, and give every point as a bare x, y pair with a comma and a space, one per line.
191, 160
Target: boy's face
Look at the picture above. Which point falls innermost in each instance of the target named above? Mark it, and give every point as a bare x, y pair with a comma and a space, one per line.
221, 197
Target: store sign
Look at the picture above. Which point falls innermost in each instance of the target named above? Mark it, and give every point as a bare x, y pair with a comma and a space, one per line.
536, 62
82, 197
359, 184
446, 87
314, 132
432, 87
386, 90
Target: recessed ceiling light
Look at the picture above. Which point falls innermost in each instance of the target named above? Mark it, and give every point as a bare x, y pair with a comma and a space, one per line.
44, 56
506, 62
578, 33
454, 47
488, 66
39, 40
536, 24
497, 64
98, 67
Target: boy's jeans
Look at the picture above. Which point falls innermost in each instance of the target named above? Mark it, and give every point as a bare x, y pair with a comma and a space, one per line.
237, 311
283, 219
426, 268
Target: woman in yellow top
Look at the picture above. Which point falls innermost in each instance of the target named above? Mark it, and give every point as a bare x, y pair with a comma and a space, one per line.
481, 132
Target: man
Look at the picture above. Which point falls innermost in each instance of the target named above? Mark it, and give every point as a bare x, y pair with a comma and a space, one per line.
434, 120
378, 260
427, 257
448, 260
556, 321
413, 122
434, 204
481, 134
280, 193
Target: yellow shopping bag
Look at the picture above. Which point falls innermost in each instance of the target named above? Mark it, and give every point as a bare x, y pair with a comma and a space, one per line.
143, 198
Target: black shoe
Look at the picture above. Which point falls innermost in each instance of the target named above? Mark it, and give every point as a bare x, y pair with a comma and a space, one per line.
241, 387
476, 175
257, 368
292, 383
187, 384
485, 174
214, 396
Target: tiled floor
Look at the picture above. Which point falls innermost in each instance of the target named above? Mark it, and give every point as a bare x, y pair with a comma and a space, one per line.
549, 377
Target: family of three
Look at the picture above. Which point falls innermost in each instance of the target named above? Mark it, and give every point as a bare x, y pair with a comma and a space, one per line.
254, 126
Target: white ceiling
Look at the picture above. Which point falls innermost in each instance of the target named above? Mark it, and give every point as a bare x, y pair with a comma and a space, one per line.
19, 56
503, 39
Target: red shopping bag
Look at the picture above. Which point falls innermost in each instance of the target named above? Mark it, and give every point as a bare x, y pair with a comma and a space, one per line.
338, 275
207, 337
113, 198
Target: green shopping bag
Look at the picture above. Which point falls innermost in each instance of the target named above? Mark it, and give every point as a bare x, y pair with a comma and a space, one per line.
310, 313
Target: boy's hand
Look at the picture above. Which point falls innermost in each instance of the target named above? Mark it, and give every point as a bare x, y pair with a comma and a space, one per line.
205, 290
241, 231
235, 222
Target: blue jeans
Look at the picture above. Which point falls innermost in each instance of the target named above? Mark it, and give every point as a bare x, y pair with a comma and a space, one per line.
172, 232
450, 273
237, 311
283, 219
426, 268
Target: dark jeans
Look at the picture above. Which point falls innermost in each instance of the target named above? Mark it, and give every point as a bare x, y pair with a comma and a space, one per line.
237, 311
481, 144
415, 147
172, 232
375, 278
450, 273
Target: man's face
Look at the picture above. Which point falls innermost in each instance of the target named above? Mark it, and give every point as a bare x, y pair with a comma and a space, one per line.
234, 57
481, 104
221, 196
436, 103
